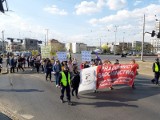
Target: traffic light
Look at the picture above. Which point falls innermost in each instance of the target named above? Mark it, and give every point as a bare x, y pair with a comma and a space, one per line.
1, 6
158, 36
39, 42
153, 33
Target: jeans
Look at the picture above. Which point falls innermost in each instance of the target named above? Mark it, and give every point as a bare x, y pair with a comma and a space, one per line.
57, 77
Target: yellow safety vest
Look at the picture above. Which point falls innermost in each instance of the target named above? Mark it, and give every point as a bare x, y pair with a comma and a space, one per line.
156, 68
64, 79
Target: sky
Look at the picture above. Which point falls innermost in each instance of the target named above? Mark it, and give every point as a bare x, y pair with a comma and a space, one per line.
92, 22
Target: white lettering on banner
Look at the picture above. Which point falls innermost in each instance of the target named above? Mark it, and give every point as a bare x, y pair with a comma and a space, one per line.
104, 83
116, 67
113, 73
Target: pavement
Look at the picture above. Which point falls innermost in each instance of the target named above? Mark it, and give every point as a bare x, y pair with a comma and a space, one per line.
33, 98
30, 94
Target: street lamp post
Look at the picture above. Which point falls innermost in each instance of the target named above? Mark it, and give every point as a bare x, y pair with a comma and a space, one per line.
3, 41
47, 35
143, 38
123, 42
115, 39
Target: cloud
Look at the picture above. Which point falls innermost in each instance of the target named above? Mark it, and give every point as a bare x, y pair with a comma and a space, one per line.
125, 16
116, 4
129, 21
55, 10
137, 2
18, 27
87, 8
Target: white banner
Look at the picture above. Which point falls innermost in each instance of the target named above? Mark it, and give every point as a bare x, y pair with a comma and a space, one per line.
62, 56
88, 79
86, 56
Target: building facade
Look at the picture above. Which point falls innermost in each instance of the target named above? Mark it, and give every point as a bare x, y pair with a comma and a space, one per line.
156, 45
14, 46
3, 46
30, 44
78, 47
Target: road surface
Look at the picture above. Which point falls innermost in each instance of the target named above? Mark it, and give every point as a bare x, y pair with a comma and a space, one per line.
33, 98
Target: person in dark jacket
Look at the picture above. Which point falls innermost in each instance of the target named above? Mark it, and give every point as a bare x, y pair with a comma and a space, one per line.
1, 61
64, 82
75, 81
12, 65
156, 70
20, 63
48, 70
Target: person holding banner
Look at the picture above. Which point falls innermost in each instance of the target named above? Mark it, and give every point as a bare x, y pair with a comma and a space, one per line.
133, 61
156, 70
64, 82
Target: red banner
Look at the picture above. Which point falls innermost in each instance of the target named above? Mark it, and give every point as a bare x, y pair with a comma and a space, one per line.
108, 75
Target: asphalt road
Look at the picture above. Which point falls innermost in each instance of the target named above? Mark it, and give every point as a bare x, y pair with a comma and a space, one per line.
35, 99
121, 59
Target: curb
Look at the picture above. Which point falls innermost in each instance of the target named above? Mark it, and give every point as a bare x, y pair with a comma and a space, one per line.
5, 110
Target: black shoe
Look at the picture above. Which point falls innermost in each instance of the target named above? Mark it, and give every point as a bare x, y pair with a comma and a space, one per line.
133, 87
70, 103
111, 88
152, 81
72, 94
62, 101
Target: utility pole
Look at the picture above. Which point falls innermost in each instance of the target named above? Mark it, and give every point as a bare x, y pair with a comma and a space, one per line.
115, 39
3, 41
100, 42
123, 42
47, 36
45, 40
143, 38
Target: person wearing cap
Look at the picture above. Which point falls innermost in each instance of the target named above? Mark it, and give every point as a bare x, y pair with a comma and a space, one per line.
64, 82
156, 70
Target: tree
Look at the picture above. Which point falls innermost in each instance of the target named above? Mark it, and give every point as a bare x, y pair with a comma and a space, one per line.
105, 48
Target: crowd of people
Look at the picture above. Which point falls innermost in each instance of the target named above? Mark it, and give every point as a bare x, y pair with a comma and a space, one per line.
66, 73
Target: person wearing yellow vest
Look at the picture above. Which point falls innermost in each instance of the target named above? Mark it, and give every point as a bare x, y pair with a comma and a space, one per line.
64, 82
156, 70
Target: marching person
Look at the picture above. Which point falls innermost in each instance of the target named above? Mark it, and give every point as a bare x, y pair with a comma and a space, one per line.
48, 70
1, 61
64, 82
156, 70
133, 61
56, 70
20, 63
12, 64
75, 81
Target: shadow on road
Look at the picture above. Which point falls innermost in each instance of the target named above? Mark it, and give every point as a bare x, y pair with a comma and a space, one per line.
21, 90
105, 104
